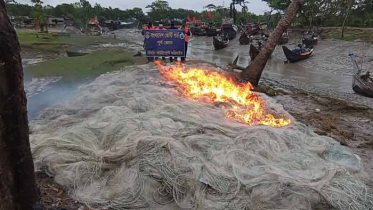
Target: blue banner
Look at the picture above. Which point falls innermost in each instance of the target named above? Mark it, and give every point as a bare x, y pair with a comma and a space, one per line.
165, 43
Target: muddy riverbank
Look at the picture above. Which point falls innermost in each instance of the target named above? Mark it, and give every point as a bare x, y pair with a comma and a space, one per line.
51, 77
316, 92
328, 72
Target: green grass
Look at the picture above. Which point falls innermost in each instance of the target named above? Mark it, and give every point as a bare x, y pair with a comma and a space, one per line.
78, 69
55, 43
353, 37
351, 34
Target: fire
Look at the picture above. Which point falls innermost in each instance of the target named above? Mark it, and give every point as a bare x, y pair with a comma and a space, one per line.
211, 86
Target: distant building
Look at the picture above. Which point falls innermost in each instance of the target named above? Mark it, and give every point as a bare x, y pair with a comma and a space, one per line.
21, 20
69, 22
56, 21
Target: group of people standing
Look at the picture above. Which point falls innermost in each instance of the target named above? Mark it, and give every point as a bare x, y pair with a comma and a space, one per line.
184, 27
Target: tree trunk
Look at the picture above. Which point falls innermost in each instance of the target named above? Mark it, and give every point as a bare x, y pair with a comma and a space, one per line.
234, 14
270, 18
18, 189
350, 4
305, 17
254, 71
317, 27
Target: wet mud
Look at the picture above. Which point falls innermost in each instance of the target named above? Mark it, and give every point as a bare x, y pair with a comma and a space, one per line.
43, 92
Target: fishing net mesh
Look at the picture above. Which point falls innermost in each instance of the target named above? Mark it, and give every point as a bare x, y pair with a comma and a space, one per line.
130, 141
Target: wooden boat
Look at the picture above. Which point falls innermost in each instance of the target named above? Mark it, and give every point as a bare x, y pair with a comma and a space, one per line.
211, 32
359, 84
220, 44
253, 52
310, 40
229, 31
254, 29
198, 31
293, 57
284, 39
75, 54
244, 39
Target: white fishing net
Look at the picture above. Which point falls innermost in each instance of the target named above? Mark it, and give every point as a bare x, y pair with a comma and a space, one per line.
130, 141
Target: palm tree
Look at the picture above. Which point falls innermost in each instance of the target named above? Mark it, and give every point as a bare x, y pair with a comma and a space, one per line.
350, 4
40, 20
254, 71
233, 11
210, 6
18, 189
37, 2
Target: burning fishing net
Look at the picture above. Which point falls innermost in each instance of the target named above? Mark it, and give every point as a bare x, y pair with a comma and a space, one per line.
246, 106
132, 139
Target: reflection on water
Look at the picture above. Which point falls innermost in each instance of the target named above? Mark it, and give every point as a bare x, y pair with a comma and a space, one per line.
202, 48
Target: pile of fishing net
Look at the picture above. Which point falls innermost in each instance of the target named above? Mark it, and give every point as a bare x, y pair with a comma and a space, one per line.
129, 140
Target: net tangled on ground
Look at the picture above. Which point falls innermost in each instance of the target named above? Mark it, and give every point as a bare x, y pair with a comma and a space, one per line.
129, 140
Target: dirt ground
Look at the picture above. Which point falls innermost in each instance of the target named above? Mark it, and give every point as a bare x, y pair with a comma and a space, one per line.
53, 196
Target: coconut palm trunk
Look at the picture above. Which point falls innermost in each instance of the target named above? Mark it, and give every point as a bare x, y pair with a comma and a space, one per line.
350, 4
18, 189
254, 71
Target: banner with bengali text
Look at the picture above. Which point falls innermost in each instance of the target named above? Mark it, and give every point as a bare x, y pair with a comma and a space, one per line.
165, 43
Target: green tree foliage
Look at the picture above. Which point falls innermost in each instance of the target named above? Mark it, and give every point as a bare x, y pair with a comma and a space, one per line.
182, 13
65, 10
37, 2
135, 13
79, 12
16, 9
159, 10
210, 6
329, 12
313, 13
279, 5
38, 15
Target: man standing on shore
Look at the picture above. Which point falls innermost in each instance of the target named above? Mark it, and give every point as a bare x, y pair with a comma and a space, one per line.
148, 27
187, 34
161, 27
173, 27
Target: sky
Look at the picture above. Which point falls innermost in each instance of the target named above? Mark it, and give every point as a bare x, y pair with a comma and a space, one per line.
255, 6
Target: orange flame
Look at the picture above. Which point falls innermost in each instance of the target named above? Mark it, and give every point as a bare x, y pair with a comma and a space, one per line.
197, 84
